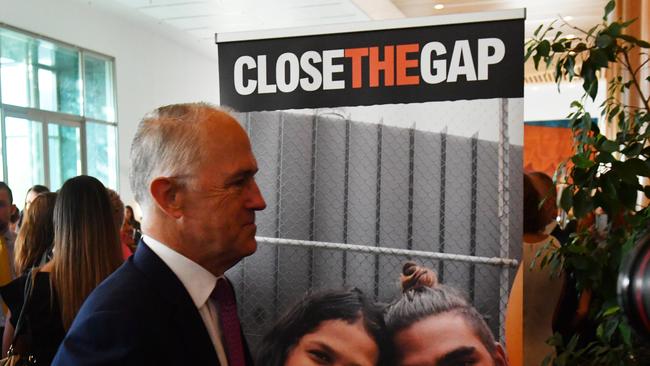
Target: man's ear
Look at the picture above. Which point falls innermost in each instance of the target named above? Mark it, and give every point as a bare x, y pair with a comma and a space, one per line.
167, 196
500, 357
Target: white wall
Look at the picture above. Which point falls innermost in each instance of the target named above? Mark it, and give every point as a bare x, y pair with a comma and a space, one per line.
543, 102
151, 70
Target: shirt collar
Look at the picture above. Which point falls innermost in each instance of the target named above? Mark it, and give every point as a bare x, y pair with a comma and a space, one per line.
198, 281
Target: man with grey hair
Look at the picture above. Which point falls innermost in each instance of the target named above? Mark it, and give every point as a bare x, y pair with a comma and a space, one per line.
169, 304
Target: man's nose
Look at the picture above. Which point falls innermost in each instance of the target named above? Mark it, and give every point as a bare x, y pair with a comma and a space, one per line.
256, 201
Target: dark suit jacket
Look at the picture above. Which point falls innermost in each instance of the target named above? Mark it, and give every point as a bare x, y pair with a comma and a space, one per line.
140, 315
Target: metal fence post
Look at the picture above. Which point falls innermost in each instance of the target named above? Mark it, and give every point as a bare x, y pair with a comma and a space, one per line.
504, 212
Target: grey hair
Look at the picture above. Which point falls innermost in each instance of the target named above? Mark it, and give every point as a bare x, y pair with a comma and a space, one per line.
166, 143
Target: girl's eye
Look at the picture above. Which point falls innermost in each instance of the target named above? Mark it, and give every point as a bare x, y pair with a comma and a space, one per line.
322, 358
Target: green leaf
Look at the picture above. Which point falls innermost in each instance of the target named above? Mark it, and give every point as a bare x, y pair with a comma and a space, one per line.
613, 112
529, 52
625, 174
605, 158
581, 204
604, 40
557, 35
637, 167
576, 104
611, 310
566, 200
627, 24
600, 331
582, 162
543, 48
591, 31
627, 38
615, 28
572, 343
609, 8
569, 66
608, 146
538, 29
558, 47
580, 47
585, 127
643, 44
607, 185
593, 89
598, 58
626, 333
580, 176
633, 150
627, 195
646, 118
610, 327
536, 59
590, 83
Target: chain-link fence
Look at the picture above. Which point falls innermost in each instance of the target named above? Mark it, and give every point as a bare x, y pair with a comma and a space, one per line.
349, 202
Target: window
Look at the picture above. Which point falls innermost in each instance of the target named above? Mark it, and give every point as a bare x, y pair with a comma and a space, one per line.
57, 113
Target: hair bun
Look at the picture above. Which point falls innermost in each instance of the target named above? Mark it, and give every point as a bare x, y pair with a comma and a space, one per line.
414, 277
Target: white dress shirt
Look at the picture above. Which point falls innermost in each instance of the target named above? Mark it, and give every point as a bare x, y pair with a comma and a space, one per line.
199, 283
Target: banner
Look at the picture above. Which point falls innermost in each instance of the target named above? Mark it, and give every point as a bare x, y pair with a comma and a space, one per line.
403, 134
415, 63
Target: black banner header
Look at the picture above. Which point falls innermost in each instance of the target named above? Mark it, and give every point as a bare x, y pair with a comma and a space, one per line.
431, 63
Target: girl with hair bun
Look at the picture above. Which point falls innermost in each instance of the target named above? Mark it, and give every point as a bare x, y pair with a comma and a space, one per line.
327, 328
433, 325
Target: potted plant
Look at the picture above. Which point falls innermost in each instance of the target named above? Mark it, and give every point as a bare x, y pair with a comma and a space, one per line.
604, 179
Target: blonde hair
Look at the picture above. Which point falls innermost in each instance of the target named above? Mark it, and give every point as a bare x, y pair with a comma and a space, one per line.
86, 243
36, 235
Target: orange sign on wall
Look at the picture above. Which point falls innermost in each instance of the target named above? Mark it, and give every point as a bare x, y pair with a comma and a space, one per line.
546, 145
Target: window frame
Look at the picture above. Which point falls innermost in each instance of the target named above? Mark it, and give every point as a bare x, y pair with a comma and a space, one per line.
46, 117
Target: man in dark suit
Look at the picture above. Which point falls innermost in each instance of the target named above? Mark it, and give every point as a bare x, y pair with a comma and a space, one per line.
193, 175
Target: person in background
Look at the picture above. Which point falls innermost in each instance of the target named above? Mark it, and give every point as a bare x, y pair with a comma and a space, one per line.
35, 240
86, 251
192, 174
129, 216
535, 294
327, 328
13, 220
7, 239
130, 230
117, 206
32, 192
432, 325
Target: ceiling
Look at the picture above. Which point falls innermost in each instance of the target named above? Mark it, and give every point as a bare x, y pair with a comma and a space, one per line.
196, 21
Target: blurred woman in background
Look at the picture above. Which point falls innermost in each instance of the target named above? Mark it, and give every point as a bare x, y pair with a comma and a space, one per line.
31, 194
86, 251
131, 227
34, 242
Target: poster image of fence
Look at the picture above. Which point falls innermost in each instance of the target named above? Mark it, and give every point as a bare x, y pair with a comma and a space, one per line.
371, 164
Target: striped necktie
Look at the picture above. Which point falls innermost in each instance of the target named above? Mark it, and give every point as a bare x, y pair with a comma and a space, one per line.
5, 267
224, 296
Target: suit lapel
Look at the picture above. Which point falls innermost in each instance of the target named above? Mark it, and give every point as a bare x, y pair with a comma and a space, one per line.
191, 331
